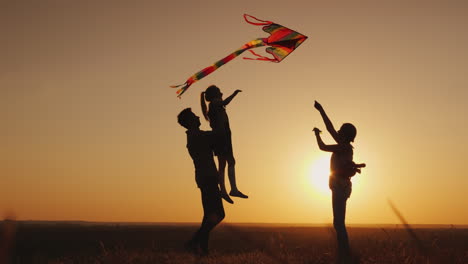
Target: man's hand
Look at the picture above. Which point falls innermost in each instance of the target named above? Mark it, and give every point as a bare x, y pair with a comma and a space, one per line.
237, 91
318, 106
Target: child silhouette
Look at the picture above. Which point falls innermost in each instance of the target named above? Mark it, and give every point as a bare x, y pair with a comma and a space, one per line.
219, 122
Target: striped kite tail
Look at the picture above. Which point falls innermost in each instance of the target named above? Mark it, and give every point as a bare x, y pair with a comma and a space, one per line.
201, 74
183, 87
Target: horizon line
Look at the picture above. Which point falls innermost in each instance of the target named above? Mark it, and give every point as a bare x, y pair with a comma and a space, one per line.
298, 224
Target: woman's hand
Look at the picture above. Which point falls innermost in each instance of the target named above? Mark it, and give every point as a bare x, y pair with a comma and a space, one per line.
318, 106
317, 131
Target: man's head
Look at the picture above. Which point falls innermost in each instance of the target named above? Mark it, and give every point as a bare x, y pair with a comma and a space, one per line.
188, 119
347, 132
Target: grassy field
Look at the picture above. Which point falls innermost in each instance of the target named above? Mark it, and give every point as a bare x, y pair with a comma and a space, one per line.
231, 244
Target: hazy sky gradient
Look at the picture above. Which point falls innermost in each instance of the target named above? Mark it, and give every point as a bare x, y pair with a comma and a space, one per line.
89, 128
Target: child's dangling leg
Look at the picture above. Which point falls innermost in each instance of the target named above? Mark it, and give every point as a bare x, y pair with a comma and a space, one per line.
222, 184
232, 179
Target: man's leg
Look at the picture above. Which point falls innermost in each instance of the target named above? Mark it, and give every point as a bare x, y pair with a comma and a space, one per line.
200, 239
213, 214
193, 244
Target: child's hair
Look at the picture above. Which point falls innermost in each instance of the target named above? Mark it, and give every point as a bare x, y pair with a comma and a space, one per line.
209, 94
348, 132
185, 117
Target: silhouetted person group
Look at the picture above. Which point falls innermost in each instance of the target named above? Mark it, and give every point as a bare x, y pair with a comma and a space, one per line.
202, 145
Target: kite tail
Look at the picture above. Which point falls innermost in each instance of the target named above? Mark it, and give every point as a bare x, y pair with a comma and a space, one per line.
201, 74
183, 87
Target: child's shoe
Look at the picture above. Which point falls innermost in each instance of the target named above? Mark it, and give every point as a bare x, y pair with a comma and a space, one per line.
226, 197
237, 193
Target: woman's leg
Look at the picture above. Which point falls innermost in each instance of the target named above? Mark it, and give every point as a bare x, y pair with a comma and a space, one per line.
339, 213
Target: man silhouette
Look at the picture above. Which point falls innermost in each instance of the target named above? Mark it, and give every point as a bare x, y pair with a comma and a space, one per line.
200, 147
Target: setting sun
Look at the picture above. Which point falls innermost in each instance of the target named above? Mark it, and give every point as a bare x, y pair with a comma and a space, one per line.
319, 173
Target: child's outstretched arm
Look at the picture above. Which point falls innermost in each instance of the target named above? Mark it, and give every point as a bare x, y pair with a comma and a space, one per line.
229, 99
323, 146
327, 121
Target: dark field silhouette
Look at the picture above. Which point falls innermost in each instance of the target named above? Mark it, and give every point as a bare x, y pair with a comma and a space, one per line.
53, 242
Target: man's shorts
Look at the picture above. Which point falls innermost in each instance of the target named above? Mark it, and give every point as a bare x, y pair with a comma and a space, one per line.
211, 200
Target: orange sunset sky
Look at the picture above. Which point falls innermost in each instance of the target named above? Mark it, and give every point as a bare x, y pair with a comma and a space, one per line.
88, 122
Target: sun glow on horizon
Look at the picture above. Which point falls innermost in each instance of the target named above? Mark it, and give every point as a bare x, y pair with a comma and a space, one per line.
319, 173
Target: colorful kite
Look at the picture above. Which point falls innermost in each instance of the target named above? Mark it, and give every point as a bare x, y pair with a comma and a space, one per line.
282, 42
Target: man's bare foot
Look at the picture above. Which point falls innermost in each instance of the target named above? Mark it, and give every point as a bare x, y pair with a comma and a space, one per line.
192, 247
